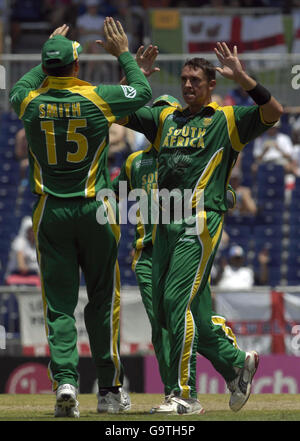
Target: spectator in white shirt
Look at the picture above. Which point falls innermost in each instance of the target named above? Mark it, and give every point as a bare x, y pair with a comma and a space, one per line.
235, 274
23, 265
90, 28
90, 25
274, 147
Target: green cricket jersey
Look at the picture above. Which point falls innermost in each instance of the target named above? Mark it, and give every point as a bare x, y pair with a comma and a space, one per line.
139, 171
198, 152
67, 122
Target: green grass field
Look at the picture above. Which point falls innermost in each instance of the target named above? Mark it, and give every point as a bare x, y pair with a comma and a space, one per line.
262, 407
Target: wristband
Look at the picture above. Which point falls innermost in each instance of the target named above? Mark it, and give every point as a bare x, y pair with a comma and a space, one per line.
259, 94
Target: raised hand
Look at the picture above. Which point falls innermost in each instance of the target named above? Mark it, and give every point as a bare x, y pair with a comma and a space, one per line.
61, 30
116, 41
146, 58
231, 65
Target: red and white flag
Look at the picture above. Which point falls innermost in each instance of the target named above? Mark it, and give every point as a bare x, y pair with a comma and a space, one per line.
265, 321
263, 34
201, 33
296, 33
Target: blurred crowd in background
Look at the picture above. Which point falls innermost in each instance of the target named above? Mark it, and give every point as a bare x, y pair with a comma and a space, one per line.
264, 179
257, 243
86, 16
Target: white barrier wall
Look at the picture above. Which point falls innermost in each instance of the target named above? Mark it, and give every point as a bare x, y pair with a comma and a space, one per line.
262, 319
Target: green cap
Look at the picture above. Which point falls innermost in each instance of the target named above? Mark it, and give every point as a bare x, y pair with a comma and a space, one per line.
59, 51
166, 99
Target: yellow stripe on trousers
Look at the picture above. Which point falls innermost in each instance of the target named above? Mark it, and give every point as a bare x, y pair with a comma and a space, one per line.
208, 246
37, 218
221, 321
115, 325
136, 257
115, 308
139, 242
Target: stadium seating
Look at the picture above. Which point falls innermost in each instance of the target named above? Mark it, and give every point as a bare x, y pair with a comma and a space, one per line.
270, 173
271, 232
270, 223
270, 183
247, 161
293, 275
275, 227
275, 275
240, 235
293, 258
296, 192
9, 181
269, 217
295, 199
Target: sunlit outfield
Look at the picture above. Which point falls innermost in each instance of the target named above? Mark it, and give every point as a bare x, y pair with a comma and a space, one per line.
262, 407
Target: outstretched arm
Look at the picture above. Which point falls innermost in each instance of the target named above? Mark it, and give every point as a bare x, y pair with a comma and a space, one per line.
123, 100
61, 30
145, 60
232, 69
116, 41
32, 79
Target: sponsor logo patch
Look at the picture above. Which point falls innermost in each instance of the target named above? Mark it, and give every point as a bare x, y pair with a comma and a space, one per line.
207, 121
53, 53
129, 92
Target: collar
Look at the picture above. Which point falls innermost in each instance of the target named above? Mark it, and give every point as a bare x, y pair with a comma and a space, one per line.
213, 105
209, 108
63, 82
150, 149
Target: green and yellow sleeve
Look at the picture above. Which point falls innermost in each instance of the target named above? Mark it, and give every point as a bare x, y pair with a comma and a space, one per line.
126, 99
250, 123
32, 80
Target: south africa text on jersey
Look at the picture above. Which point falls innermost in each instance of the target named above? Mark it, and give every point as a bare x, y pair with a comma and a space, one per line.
60, 110
185, 137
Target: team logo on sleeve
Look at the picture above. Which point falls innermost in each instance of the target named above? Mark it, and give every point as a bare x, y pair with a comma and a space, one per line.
207, 121
129, 92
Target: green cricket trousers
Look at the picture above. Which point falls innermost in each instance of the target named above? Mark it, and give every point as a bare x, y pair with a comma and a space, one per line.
182, 302
142, 265
68, 238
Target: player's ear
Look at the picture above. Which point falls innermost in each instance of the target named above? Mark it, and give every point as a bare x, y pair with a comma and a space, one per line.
212, 84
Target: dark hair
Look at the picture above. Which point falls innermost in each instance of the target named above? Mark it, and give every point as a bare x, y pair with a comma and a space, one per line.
201, 63
63, 71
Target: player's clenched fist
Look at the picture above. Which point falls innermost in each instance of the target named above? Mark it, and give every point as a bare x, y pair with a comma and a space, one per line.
116, 41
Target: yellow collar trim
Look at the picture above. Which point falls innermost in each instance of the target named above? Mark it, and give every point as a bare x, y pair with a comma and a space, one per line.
64, 82
213, 105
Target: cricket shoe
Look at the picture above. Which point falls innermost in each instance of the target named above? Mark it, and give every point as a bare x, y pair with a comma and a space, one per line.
111, 402
240, 387
66, 402
161, 407
179, 406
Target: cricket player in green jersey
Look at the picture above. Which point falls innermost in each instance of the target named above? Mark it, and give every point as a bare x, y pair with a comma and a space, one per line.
197, 149
67, 122
139, 171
